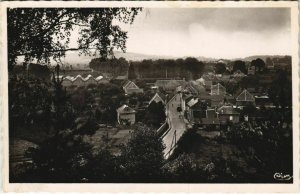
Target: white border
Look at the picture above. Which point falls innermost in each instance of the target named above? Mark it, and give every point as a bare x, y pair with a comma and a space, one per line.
149, 187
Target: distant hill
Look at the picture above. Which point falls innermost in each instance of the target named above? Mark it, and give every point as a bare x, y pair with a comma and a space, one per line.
139, 57
263, 57
82, 61
72, 58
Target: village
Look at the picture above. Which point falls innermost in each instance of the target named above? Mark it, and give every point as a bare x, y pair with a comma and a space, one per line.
209, 103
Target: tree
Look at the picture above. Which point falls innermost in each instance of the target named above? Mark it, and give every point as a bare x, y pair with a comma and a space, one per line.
220, 68
103, 167
259, 64
155, 114
42, 33
239, 65
280, 91
131, 72
113, 66
61, 158
269, 61
194, 66
142, 157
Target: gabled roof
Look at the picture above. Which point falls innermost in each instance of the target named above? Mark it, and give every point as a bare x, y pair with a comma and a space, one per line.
88, 77
227, 109
69, 78
158, 96
78, 77
125, 109
245, 96
218, 89
130, 85
194, 87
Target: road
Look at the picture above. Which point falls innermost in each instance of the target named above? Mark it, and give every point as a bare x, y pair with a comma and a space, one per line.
176, 125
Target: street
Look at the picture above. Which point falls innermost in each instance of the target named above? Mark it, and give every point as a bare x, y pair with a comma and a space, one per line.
176, 123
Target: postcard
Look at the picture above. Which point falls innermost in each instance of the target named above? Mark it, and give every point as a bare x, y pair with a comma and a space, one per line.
160, 96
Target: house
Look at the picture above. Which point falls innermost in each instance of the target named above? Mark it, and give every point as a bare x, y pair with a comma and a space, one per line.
218, 89
158, 97
126, 115
195, 110
245, 98
211, 119
130, 87
226, 113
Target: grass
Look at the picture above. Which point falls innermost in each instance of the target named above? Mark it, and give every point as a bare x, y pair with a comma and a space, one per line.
112, 138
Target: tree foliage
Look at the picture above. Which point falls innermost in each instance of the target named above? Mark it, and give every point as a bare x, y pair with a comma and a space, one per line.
220, 68
280, 91
259, 64
189, 68
42, 33
155, 114
142, 157
239, 65
131, 73
113, 66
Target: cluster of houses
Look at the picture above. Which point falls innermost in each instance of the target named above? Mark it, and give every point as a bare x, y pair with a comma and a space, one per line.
205, 101
217, 107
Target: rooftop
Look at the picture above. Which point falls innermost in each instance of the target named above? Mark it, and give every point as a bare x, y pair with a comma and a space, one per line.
125, 109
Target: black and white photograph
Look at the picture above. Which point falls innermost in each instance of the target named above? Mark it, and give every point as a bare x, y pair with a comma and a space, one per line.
151, 94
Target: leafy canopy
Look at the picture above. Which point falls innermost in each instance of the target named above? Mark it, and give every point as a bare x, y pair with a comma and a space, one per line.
42, 33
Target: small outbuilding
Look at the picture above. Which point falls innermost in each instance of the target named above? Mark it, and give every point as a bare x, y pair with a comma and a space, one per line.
126, 115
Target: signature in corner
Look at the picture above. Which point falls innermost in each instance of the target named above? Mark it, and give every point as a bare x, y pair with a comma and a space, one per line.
282, 177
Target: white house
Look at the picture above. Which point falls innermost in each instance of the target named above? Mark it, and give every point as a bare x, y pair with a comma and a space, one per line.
126, 115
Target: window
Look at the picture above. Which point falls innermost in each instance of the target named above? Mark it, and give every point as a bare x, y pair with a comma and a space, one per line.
230, 118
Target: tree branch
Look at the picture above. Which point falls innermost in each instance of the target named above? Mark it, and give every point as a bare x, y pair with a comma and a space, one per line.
54, 51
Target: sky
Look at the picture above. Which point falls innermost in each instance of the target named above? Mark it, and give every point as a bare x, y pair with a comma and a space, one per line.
211, 32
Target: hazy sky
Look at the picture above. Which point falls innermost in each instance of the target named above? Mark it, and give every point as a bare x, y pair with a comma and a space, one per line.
210, 32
